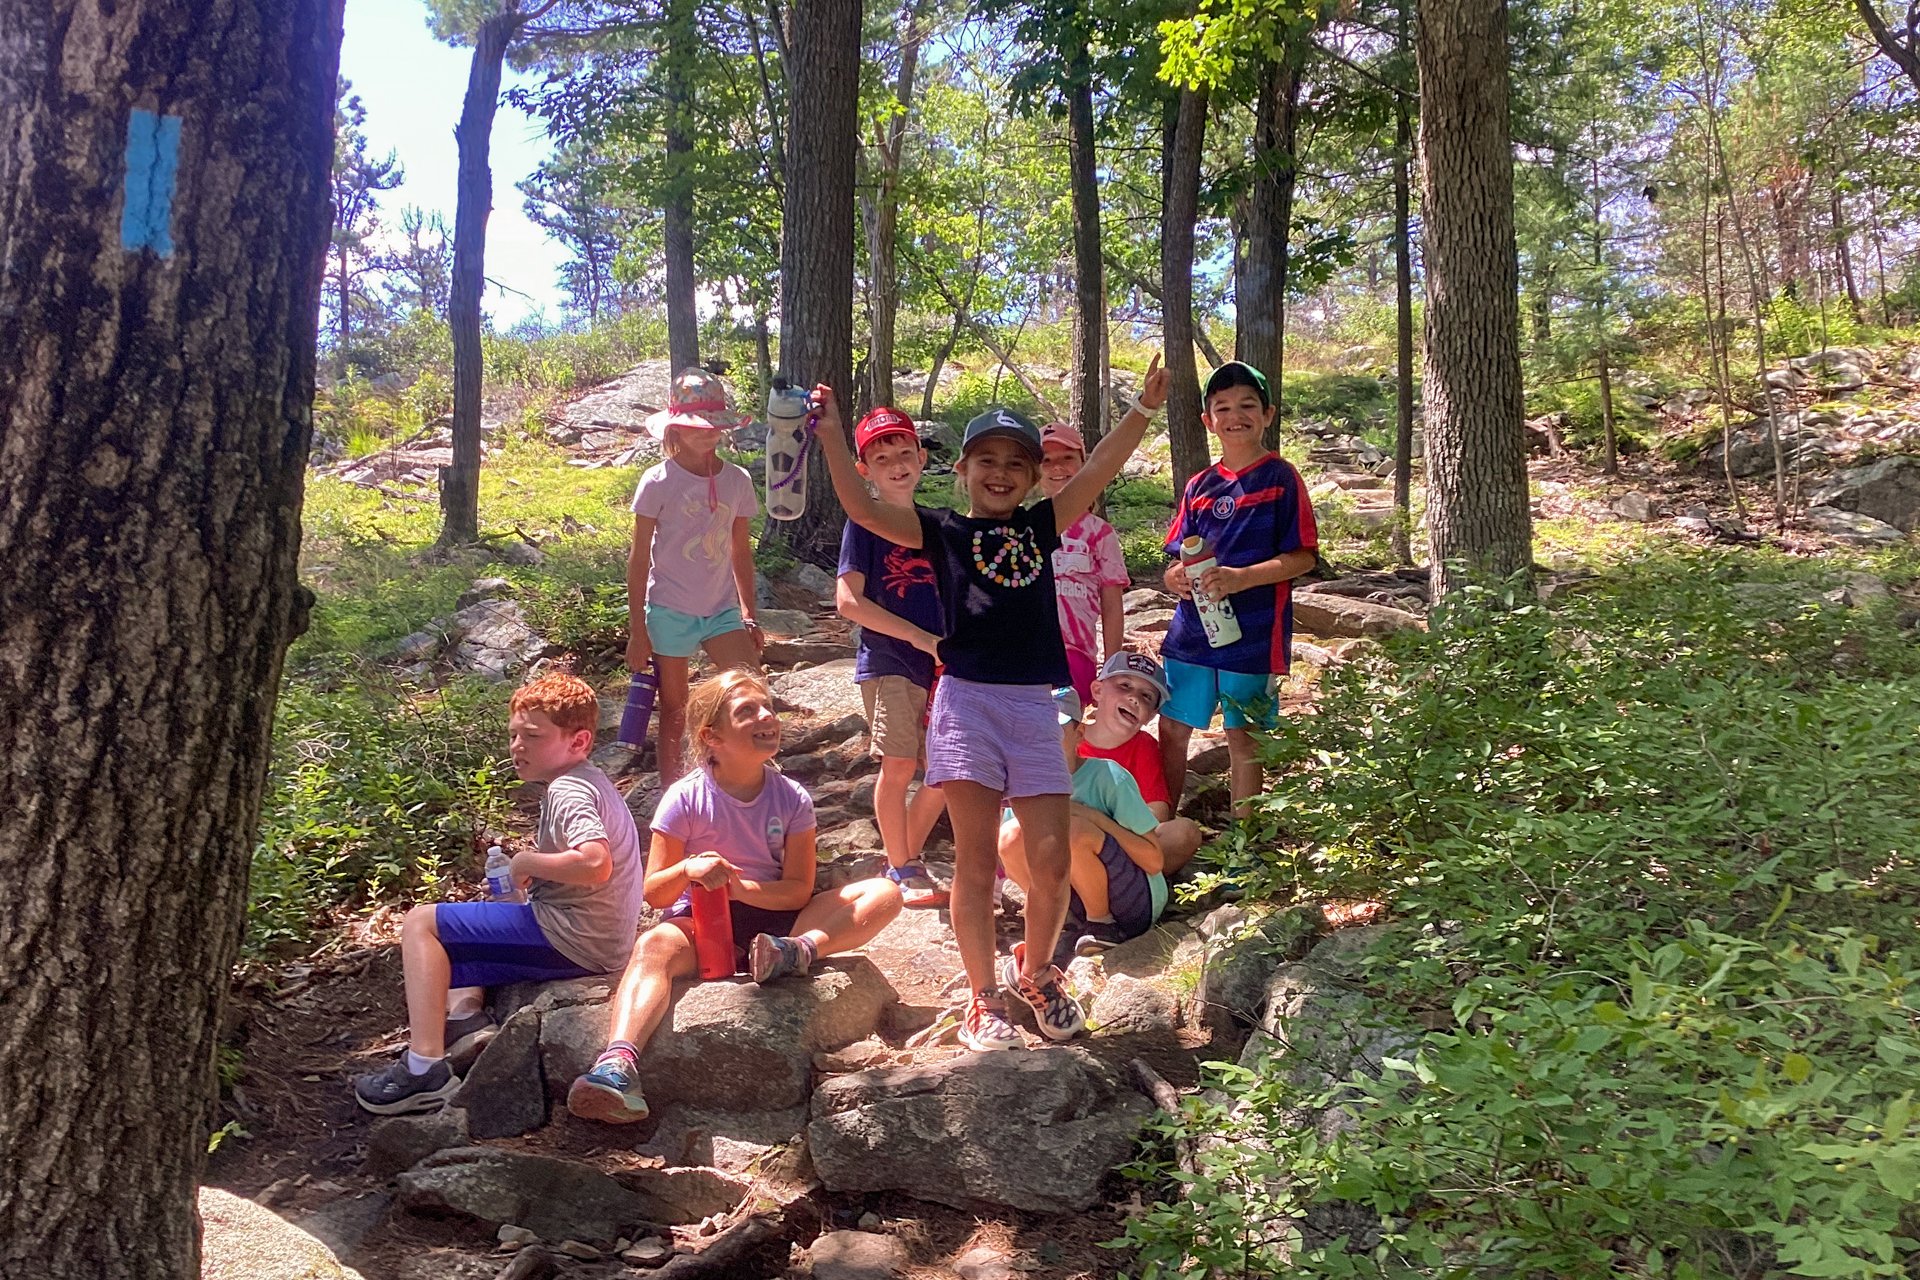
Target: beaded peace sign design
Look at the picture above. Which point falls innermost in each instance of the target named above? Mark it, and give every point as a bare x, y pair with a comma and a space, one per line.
1017, 562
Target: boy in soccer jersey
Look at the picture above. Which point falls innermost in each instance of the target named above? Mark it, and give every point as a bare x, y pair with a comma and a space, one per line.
1252, 509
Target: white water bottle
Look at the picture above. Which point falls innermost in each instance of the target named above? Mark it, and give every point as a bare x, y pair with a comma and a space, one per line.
787, 411
1216, 616
500, 883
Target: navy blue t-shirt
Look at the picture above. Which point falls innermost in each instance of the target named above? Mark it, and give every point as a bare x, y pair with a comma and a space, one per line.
899, 580
1246, 517
996, 587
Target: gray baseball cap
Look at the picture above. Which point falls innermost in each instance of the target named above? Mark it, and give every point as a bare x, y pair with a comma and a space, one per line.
1001, 421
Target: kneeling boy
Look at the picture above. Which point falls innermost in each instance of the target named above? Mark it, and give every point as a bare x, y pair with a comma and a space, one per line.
583, 879
1127, 695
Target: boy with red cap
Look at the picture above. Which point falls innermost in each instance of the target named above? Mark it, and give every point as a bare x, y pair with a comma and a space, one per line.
1089, 573
888, 590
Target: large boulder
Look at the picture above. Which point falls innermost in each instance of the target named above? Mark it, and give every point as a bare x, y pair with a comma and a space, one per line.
1887, 490
1323, 613
554, 1199
733, 1046
242, 1241
827, 690
1852, 527
503, 1094
1035, 1131
400, 1142
1240, 956
495, 640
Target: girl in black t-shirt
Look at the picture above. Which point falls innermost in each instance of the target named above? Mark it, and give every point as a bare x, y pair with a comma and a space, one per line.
993, 736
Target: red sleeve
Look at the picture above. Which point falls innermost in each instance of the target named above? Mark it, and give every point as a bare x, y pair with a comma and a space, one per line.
1143, 762
1305, 532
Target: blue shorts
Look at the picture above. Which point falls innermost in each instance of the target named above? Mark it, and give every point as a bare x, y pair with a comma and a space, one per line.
678, 635
1135, 898
493, 943
1244, 701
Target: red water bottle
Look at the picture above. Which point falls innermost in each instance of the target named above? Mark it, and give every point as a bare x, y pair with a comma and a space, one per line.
712, 932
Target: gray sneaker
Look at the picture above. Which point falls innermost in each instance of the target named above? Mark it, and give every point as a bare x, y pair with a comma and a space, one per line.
397, 1091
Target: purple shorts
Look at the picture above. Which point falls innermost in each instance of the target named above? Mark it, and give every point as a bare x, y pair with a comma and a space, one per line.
1002, 736
493, 943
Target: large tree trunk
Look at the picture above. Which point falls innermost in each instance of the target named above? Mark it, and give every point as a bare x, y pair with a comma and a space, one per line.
155, 409
460, 483
1183, 133
1260, 300
1843, 253
1477, 507
683, 319
881, 210
1403, 312
816, 241
1087, 396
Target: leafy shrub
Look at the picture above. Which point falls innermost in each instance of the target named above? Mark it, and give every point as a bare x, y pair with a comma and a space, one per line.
1796, 326
1652, 850
375, 788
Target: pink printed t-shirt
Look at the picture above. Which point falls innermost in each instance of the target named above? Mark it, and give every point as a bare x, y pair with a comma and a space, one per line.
1088, 558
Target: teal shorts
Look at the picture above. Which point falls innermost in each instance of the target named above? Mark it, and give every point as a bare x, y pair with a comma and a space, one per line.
678, 635
1244, 701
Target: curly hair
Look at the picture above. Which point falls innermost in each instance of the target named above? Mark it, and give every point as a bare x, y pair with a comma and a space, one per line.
567, 700
709, 699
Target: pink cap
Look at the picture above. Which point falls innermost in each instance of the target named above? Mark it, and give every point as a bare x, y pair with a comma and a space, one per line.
1063, 435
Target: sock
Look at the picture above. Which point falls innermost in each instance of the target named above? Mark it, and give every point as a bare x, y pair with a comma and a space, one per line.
1107, 919
419, 1065
625, 1047
808, 952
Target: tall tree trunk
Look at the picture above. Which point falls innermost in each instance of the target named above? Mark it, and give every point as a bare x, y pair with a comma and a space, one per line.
683, 317
1843, 253
165, 186
460, 483
1183, 133
1087, 396
1609, 437
345, 284
881, 210
1478, 515
1403, 312
1260, 301
816, 242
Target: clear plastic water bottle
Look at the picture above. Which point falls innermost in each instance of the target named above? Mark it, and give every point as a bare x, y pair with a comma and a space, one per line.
1216, 616
501, 886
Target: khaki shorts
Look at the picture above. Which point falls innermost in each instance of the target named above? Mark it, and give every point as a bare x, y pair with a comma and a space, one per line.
896, 716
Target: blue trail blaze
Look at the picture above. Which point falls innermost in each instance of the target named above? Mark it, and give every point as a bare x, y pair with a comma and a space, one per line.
153, 165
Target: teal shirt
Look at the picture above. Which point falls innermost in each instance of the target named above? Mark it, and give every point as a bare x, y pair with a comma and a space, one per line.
1105, 787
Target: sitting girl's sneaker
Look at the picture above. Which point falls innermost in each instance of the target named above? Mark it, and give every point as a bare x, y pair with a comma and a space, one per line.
769, 958
1058, 1013
398, 1092
985, 1025
610, 1091
917, 888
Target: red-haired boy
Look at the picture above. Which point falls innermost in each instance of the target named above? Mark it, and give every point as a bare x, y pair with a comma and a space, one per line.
584, 878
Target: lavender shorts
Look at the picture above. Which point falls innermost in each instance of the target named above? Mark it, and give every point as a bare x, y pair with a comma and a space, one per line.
1003, 736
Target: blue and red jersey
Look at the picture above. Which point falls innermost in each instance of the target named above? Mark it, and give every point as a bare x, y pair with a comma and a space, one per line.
1245, 517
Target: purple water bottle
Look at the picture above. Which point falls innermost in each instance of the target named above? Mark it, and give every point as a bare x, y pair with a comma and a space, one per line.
640, 694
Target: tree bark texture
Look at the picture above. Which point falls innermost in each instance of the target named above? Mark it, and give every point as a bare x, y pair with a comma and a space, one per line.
1184, 132
1260, 330
1478, 515
816, 242
683, 318
473, 186
881, 210
1087, 397
163, 227
1901, 47
1402, 313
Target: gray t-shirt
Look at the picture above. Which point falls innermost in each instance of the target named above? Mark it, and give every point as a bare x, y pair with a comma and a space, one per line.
590, 924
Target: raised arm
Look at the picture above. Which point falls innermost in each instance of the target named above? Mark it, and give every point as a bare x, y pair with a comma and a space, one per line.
1104, 463
894, 523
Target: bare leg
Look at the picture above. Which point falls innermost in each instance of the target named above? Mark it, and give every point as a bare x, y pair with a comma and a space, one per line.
848, 917
1088, 874
1174, 737
1013, 853
664, 952
923, 811
428, 971
1179, 840
732, 649
890, 809
671, 709
1044, 824
1243, 769
975, 810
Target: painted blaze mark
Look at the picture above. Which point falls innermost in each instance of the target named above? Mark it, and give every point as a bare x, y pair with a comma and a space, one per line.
153, 163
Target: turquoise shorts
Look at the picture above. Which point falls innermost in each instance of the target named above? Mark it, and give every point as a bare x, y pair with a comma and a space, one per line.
1244, 701
678, 635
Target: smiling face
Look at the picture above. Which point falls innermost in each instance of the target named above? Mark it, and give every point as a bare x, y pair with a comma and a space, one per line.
541, 749
998, 473
1058, 464
1236, 415
745, 732
1122, 705
894, 463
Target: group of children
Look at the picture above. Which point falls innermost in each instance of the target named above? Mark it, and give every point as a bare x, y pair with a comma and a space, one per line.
991, 664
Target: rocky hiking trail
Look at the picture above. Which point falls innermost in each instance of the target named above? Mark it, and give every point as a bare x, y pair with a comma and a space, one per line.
829, 1127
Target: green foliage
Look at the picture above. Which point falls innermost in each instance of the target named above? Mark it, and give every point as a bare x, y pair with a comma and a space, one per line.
375, 788
1139, 510
1652, 852
1795, 327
